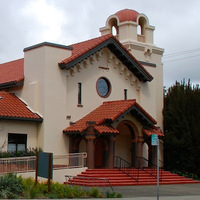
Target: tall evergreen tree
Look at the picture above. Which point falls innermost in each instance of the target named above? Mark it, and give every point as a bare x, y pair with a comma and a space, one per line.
182, 128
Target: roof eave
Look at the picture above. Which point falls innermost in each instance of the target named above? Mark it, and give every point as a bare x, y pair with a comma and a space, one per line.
22, 118
11, 84
140, 116
113, 45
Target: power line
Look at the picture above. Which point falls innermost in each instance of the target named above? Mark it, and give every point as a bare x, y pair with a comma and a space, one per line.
181, 58
182, 53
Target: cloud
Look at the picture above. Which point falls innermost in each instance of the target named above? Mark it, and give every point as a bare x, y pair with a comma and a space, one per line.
24, 23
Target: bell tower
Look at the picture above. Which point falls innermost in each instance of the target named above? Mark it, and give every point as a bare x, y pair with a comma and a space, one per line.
133, 30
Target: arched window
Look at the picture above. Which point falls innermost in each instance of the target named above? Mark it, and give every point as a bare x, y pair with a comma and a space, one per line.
113, 26
142, 23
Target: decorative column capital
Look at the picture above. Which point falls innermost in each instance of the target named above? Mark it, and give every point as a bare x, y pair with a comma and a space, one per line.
90, 137
112, 138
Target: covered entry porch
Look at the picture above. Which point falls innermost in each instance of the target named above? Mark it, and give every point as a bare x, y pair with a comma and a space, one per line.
116, 128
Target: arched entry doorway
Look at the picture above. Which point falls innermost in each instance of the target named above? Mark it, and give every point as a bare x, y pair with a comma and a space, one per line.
125, 145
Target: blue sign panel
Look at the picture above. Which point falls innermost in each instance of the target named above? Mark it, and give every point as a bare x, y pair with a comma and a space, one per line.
45, 163
154, 140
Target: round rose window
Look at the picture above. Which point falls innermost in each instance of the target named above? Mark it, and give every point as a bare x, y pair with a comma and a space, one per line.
103, 87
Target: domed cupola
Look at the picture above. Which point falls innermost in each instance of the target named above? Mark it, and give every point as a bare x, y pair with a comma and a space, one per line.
129, 26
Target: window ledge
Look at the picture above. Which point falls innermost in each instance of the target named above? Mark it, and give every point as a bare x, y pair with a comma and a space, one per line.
80, 105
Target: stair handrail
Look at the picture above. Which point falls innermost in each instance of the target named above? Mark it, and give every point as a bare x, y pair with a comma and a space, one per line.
70, 177
153, 170
125, 167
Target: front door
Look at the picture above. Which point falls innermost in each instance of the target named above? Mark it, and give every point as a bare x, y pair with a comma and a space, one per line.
99, 155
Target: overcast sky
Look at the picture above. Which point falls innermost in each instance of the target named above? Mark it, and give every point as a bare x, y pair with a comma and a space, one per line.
177, 26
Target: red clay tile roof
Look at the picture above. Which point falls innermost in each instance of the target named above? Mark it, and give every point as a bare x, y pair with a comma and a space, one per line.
106, 129
12, 107
82, 50
127, 15
154, 130
110, 110
12, 72
83, 47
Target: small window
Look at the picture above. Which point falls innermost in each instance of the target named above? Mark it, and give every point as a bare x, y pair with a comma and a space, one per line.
17, 142
103, 87
79, 93
125, 94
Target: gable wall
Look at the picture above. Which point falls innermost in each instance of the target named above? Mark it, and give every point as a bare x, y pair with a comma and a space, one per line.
120, 78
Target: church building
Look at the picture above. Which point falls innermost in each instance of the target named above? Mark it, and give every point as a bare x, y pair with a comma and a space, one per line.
103, 96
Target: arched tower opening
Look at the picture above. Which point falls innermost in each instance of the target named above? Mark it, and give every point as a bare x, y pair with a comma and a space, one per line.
142, 23
113, 26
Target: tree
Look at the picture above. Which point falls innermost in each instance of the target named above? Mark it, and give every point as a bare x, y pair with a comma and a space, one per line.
182, 128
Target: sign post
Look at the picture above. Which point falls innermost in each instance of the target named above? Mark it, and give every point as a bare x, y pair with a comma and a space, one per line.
155, 142
44, 167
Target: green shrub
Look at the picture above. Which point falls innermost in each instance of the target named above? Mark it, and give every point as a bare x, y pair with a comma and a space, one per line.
30, 191
113, 195
11, 186
77, 192
28, 152
119, 195
94, 192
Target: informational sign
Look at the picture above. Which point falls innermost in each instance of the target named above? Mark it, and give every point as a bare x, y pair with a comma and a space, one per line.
154, 140
45, 165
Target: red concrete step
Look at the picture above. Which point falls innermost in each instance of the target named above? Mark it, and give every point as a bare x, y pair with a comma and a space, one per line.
115, 177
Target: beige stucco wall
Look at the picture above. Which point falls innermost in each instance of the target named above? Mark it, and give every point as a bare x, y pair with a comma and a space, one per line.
18, 127
120, 78
44, 91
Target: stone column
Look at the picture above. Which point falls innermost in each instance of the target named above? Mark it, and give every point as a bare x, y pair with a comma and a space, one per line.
90, 137
139, 152
111, 152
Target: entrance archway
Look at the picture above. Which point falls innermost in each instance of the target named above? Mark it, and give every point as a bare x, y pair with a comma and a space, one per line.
125, 145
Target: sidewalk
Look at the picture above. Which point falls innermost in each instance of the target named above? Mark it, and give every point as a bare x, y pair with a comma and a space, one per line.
167, 192
164, 198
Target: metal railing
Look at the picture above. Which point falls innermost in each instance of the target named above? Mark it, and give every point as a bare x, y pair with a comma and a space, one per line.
28, 163
17, 164
126, 168
88, 181
71, 160
152, 170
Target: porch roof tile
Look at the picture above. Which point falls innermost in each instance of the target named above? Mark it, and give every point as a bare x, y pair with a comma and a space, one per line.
106, 129
152, 131
108, 111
